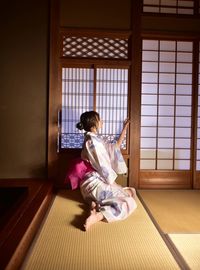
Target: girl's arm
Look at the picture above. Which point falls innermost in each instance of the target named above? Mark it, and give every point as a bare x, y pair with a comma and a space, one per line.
123, 133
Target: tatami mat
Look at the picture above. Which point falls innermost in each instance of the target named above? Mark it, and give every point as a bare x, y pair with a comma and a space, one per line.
189, 247
125, 245
175, 211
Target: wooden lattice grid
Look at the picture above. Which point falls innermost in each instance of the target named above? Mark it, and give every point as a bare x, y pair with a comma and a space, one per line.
94, 47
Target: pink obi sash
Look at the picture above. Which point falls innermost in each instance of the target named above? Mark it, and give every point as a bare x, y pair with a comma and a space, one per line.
77, 172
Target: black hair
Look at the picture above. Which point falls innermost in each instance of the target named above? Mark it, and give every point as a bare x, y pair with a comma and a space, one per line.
88, 120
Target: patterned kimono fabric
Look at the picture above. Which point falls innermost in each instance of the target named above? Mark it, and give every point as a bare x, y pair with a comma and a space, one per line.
99, 185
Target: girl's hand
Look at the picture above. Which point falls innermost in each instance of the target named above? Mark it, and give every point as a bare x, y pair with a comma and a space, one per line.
126, 123
123, 133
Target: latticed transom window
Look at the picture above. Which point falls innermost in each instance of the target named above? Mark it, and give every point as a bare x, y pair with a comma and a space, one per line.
102, 89
169, 6
94, 47
166, 108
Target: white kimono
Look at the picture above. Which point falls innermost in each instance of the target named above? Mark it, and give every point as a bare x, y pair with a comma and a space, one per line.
99, 186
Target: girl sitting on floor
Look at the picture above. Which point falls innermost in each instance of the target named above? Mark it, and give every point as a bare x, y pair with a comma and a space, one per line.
102, 162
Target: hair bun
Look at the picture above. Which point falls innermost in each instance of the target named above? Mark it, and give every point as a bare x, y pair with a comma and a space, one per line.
79, 125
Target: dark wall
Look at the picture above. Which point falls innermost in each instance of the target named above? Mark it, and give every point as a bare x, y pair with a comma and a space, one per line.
111, 14
23, 88
171, 24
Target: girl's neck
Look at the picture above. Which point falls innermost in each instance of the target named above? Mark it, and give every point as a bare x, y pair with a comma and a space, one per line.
93, 130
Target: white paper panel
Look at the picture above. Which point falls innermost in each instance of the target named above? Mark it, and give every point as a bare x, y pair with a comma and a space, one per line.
166, 99
166, 110
148, 110
184, 89
149, 77
150, 45
182, 154
184, 100
184, 68
148, 132
198, 143
147, 164
149, 2
148, 121
182, 165
167, 78
184, 46
148, 143
149, 99
183, 132
183, 111
198, 165
166, 132
184, 78
169, 2
167, 46
166, 89
165, 143
151, 9
149, 88
166, 121
183, 121
165, 164
167, 67
167, 56
182, 143
150, 56
165, 154
184, 57
147, 153
198, 155
150, 67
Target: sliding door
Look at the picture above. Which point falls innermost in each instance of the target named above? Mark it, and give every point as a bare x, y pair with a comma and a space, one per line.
103, 89
166, 143
197, 98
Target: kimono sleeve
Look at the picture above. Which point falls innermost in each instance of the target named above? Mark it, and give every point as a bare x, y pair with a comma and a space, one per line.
100, 160
117, 161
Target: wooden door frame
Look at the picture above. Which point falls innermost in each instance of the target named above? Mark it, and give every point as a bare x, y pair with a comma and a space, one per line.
53, 93
54, 84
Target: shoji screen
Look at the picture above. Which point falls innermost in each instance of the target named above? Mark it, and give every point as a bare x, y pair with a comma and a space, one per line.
112, 101
198, 122
197, 165
102, 89
77, 97
166, 107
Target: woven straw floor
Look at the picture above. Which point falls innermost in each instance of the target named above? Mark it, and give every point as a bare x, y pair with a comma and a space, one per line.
189, 247
175, 211
125, 245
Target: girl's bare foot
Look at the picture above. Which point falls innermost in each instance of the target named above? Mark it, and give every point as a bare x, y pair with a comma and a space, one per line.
92, 219
93, 205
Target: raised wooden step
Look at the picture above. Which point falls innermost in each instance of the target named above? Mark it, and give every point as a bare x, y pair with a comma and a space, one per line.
19, 205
